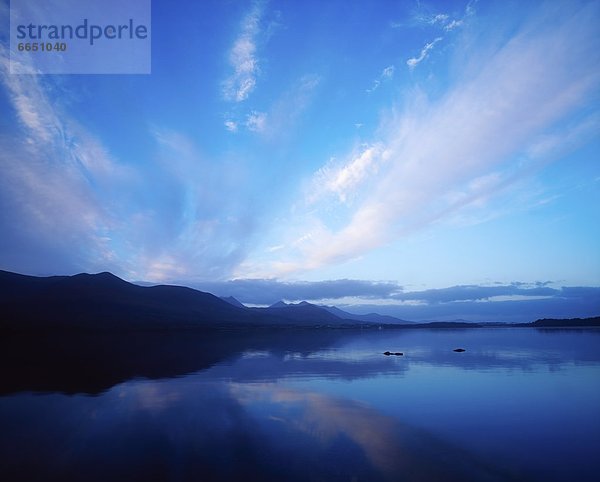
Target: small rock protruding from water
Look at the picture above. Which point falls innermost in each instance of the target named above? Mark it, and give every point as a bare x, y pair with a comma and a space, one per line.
459, 350
397, 353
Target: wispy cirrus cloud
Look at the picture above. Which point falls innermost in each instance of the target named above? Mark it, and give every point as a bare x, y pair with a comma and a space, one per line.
243, 57
441, 22
231, 126
278, 120
440, 18
441, 152
72, 206
386, 74
342, 179
256, 121
414, 61
454, 24
54, 176
423, 16
190, 230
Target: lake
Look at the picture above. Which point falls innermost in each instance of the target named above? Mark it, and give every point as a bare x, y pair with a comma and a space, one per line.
322, 405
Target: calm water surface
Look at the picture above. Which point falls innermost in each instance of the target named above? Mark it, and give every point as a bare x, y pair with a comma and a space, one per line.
518, 404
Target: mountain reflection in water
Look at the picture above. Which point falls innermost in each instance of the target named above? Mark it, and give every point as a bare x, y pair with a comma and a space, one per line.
519, 404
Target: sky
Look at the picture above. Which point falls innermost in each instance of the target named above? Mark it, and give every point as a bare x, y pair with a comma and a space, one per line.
422, 159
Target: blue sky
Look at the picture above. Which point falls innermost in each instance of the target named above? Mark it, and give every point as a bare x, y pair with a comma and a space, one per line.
427, 145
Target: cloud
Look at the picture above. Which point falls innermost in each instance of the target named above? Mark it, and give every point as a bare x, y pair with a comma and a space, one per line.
386, 74
279, 120
476, 293
268, 291
439, 18
191, 230
33, 109
520, 310
343, 179
516, 301
231, 126
256, 121
424, 18
453, 25
443, 20
242, 57
496, 110
71, 206
386, 445
413, 62
54, 176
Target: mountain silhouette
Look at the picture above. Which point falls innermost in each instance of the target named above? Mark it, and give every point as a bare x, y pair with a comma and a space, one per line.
233, 301
105, 302
303, 312
565, 322
368, 318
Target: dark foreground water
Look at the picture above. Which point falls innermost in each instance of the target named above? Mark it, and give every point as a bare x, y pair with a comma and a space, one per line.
518, 404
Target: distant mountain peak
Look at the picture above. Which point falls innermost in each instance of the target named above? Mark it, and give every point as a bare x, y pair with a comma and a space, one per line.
103, 301
104, 278
233, 301
102, 275
368, 318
